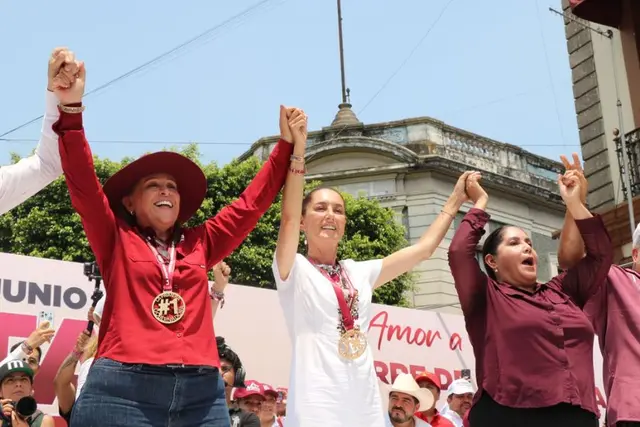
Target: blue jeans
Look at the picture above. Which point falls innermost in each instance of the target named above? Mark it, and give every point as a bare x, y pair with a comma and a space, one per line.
119, 394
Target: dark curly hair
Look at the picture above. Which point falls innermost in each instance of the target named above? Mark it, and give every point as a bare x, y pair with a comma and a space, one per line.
225, 352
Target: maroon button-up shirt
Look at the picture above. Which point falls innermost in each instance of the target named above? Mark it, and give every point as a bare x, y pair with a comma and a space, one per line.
615, 313
532, 350
128, 331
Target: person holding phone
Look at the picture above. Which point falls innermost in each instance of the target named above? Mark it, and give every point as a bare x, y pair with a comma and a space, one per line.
29, 350
532, 342
157, 358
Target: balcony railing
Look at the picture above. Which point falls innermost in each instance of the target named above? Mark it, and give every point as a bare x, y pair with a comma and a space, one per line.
632, 140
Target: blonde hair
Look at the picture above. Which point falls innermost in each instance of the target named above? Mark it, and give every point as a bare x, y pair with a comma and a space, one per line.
91, 348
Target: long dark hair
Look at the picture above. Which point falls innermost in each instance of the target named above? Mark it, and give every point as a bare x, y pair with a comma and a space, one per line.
490, 247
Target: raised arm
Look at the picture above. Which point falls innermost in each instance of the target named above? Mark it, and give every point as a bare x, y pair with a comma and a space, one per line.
226, 231
42, 334
289, 233
63, 381
469, 280
584, 280
24, 179
85, 190
221, 272
571, 246
407, 258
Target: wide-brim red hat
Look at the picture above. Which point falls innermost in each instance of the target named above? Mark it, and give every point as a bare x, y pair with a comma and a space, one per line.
191, 181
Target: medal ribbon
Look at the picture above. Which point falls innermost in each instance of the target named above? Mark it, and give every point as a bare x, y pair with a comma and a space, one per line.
167, 271
347, 318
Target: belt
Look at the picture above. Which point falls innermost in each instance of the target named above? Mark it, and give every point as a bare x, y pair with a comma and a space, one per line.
178, 367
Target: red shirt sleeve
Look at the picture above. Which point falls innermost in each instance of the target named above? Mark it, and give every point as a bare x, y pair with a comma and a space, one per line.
85, 190
227, 230
469, 280
584, 280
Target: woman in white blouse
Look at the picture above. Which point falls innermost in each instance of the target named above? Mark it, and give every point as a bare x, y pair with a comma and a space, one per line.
332, 379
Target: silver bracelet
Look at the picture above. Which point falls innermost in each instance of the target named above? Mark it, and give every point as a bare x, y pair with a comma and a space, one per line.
217, 296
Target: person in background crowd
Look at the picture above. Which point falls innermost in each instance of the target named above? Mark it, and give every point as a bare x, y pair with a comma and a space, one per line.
16, 382
154, 344
233, 376
29, 350
532, 342
327, 302
84, 352
268, 416
459, 398
20, 181
430, 415
91, 347
249, 398
246, 403
221, 273
614, 312
281, 403
406, 398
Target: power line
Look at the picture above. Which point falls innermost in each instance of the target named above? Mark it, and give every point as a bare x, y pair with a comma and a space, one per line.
176, 49
183, 142
535, 91
549, 73
187, 142
406, 60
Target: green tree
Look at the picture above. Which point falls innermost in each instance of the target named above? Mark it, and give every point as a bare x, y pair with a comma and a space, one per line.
47, 226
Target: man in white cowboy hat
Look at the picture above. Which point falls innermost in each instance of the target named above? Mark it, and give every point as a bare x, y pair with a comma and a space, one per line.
405, 399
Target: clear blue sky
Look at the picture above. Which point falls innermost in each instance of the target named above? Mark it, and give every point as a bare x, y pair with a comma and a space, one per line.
502, 73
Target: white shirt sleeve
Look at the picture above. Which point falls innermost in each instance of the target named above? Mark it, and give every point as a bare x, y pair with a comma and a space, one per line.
371, 270
97, 312
22, 180
17, 354
82, 375
283, 285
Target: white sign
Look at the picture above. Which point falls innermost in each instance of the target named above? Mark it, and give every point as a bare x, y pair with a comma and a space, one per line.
403, 340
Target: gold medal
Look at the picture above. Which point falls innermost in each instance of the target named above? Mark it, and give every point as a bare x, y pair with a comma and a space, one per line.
352, 344
168, 307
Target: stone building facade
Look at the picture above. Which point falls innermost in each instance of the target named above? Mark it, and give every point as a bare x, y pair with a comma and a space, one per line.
411, 166
605, 69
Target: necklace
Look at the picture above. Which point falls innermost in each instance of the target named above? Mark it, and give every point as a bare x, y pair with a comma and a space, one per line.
332, 270
353, 342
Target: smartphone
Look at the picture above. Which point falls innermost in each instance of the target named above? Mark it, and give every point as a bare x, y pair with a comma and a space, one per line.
466, 373
45, 316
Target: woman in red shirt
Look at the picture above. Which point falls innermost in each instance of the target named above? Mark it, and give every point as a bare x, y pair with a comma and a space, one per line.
532, 342
157, 362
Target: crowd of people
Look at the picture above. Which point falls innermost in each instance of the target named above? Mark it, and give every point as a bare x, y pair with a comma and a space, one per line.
155, 359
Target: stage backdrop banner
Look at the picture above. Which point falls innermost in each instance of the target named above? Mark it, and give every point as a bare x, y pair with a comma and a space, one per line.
403, 340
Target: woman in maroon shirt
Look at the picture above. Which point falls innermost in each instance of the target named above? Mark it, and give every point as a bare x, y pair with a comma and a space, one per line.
157, 363
532, 343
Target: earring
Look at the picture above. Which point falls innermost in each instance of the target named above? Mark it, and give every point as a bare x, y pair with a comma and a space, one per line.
496, 270
132, 213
